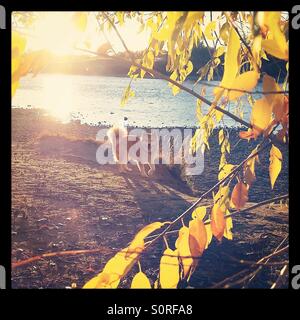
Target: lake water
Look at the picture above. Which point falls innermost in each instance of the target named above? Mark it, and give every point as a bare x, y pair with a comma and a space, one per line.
94, 99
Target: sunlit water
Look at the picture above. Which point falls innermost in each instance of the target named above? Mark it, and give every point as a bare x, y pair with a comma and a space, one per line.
96, 99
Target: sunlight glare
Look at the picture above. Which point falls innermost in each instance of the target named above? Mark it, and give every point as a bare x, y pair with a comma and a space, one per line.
58, 96
56, 32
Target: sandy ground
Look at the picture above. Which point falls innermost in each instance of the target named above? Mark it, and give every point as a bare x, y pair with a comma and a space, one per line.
63, 200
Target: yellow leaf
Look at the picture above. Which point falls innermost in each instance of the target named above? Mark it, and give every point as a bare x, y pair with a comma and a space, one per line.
189, 68
149, 59
245, 82
221, 136
261, 115
221, 197
229, 226
210, 28
18, 44
80, 20
120, 16
91, 284
276, 43
118, 266
169, 269
14, 87
197, 237
231, 64
199, 213
239, 195
192, 18
137, 244
277, 101
273, 49
103, 280
184, 253
224, 32
225, 171
275, 164
218, 223
140, 281
208, 235
256, 52
128, 93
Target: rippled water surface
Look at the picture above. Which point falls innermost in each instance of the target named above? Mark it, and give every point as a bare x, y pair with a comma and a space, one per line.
94, 99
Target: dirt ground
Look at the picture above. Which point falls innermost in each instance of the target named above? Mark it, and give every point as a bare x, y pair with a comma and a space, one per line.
62, 199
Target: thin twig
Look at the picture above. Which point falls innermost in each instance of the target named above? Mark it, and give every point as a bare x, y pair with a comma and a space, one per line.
262, 203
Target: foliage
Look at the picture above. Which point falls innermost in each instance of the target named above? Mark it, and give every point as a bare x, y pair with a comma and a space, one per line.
240, 39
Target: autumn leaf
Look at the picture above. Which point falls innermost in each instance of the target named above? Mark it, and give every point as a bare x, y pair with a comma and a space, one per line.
169, 269
14, 87
137, 244
192, 18
218, 223
231, 64
261, 116
80, 20
276, 43
228, 228
184, 253
128, 93
275, 164
199, 213
18, 45
221, 197
249, 175
140, 281
209, 30
247, 81
247, 134
239, 195
277, 101
225, 171
118, 266
208, 234
103, 280
273, 49
221, 136
197, 237
224, 32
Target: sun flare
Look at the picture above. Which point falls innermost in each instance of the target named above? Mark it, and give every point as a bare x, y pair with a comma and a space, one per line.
56, 32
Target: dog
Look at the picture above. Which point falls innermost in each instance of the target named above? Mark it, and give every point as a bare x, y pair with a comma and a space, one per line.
149, 144
118, 136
